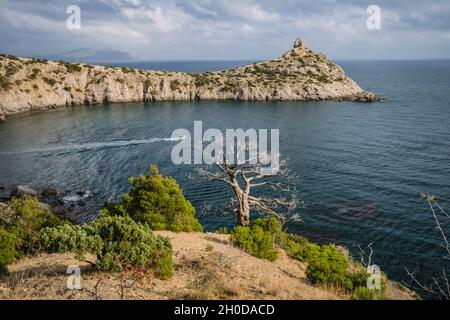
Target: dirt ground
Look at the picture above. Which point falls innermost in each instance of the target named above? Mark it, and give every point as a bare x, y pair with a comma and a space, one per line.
206, 266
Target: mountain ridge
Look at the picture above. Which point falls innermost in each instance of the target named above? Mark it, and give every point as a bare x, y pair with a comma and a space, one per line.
90, 55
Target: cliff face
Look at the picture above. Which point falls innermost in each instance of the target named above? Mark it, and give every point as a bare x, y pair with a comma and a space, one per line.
300, 74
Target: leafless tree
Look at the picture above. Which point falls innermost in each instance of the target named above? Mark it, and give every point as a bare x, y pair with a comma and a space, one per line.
365, 257
439, 286
243, 177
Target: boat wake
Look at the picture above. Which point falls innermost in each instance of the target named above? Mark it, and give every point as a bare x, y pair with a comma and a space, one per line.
90, 146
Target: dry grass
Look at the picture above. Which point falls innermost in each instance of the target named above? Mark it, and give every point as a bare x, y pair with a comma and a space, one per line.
206, 266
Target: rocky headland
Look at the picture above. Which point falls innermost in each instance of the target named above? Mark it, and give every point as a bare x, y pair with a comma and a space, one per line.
298, 75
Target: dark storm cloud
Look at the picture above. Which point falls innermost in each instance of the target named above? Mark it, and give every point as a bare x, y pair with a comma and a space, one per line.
244, 29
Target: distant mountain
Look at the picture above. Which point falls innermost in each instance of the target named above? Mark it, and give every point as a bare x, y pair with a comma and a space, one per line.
91, 56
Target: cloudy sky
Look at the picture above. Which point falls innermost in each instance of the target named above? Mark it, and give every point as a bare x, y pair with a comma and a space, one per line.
228, 29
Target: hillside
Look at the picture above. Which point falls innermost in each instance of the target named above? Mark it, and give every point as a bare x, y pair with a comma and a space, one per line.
206, 266
300, 74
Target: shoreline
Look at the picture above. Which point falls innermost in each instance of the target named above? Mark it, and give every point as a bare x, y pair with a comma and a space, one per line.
298, 75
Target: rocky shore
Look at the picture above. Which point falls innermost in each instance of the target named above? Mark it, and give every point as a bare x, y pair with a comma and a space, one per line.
298, 75
75, 205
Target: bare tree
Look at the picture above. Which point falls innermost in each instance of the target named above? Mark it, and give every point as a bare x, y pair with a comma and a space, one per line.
365, 257
439, 286
243, 177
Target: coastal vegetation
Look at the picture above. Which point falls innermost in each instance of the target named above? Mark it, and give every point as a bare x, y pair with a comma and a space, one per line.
327, 266
118, 242
125, 238
122, 236
157, 201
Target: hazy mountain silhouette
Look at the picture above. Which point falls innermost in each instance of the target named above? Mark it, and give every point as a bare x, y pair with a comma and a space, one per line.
90, 55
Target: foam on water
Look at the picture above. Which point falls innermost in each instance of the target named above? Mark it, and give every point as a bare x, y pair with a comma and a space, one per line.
90, 146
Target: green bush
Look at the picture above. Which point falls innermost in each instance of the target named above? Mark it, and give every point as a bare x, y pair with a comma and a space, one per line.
69, 238
328, 266
24, 220
7, 250
50, 81
174, 85
223, 230
5, 84
157, 201
73, 67
128, 70
273, 226
116, 241
293, 244
256, 241
35, 73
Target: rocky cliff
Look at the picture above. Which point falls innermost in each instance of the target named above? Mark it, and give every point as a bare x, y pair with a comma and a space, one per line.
300, 74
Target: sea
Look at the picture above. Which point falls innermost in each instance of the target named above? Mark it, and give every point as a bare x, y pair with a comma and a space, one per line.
360, 166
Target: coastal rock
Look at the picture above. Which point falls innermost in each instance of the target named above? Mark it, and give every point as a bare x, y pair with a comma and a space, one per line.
50, 196
23, 191
299, 74
49, 192
365, 97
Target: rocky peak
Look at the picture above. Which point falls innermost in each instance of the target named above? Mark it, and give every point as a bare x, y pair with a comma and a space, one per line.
300, 45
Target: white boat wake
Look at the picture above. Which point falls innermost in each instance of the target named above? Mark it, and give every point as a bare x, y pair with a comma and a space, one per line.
90, 146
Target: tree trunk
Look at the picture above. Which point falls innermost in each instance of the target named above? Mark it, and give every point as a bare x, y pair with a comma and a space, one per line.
243, 218
243, 215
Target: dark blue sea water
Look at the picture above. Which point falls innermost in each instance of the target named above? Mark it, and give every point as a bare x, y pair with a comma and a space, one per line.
361, 166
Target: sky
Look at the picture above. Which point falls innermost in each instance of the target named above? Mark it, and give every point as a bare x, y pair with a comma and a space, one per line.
228, 29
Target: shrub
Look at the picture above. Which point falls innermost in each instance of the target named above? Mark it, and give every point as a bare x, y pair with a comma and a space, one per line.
128, 70
5, 84
73, 67
34, 73
293, 244
255, 240
116, 241
11, 69
157, 201
50, 81
68, 238
25, 220
7, 250
273, 226
174, 85
201, 80
328, 266
224, 230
